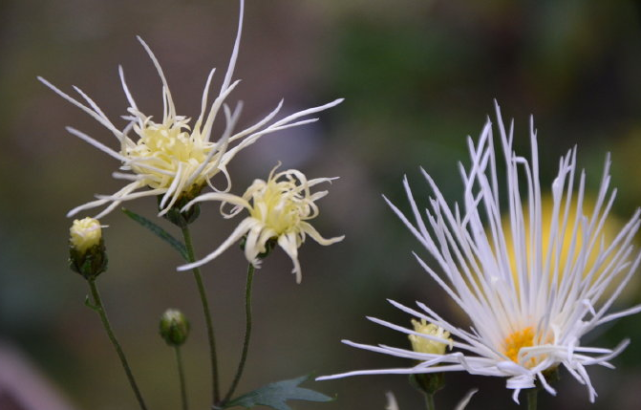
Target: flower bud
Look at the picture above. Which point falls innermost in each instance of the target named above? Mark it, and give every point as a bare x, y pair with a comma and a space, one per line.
87, 253
174, 327
424, 345
429, 383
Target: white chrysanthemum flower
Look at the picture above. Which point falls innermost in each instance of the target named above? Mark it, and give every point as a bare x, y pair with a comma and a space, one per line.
171, 158
279, 209
528, 319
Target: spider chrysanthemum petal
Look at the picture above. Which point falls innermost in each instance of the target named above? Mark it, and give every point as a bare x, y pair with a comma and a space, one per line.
532, 286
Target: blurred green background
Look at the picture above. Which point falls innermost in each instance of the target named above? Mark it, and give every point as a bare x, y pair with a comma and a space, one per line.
418, 77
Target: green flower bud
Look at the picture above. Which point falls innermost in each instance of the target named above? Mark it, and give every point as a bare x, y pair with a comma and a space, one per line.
174, 327
87, 252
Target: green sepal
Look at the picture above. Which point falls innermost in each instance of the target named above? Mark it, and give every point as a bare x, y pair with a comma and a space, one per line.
89, 263
552, 375
174, 214
159, 232
275, 395
428, 383
269, 246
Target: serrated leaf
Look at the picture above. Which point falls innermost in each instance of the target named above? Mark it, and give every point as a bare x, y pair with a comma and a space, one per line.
275, 395
159, 232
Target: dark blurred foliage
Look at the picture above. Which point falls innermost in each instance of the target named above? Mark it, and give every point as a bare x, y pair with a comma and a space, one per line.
418, 78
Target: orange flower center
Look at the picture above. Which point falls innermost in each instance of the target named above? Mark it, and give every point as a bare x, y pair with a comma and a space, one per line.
518, 340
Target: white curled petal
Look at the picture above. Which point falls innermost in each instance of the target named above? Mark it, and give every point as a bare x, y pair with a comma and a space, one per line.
238, 233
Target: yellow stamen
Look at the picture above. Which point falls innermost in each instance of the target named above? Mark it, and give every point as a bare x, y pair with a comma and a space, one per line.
282, 202
166, 147
518, 340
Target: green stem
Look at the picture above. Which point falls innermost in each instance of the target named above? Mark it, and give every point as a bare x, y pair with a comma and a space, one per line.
181, 375
210, 327
248, 331
429, 401
98, 307
531, 398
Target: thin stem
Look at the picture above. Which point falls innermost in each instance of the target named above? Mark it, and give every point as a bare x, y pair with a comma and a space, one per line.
99, 308
248, 331
181, 375
531, 398
429, 401
206, 311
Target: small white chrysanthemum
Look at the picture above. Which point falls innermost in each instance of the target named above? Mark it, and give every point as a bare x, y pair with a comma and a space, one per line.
279, 209
529, 307
173, 158
85, 233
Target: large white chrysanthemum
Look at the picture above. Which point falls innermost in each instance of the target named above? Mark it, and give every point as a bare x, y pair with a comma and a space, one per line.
279, 211
530, 299
172, 158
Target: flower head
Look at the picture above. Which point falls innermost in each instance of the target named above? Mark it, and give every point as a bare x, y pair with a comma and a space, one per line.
173, 158
279, 209
527, 316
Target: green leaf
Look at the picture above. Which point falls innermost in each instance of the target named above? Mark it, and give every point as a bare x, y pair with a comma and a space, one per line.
275, 395
159, 232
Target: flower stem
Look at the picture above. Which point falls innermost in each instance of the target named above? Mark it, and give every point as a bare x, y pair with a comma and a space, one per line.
99, 308
429, 402
531, 398
208, 321
248, 330
181, 375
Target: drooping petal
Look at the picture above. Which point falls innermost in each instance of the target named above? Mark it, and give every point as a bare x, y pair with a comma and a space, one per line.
242, 228
288, 243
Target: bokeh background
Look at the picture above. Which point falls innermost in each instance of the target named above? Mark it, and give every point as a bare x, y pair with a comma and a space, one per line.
418, 78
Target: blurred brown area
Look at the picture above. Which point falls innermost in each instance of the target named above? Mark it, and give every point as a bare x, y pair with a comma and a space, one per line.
418, 78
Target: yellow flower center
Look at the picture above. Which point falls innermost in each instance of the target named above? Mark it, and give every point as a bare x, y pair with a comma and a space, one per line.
518, 340
280, 206
163, 148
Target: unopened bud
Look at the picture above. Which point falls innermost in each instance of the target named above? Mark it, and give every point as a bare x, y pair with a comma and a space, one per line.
174, 327
425, 345
429, 383
87, 253
85, 233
